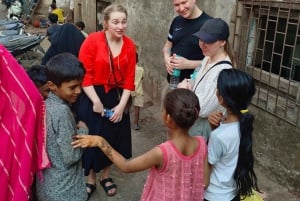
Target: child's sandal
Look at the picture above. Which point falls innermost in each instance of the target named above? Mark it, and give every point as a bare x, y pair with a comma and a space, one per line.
108, 188
92, 188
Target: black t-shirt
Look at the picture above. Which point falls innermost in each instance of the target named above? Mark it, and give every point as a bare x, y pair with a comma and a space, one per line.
183, 42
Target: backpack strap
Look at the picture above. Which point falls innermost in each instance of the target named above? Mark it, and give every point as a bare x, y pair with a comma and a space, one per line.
218, 63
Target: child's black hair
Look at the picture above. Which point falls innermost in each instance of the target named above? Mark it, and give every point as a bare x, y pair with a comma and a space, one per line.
53, 6
80, 24
237, 89
64, 67
37, 74
137, 57
183, 107
53, 18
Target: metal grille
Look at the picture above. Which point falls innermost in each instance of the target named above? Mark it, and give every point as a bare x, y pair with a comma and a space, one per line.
267, 40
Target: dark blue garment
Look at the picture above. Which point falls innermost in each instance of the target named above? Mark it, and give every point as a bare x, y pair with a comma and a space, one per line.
52, 30
67, 39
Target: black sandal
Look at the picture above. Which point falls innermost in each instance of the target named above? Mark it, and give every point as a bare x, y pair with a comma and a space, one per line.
92, 188
108, 188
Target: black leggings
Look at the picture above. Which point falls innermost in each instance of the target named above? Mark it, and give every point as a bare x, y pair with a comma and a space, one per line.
236, 198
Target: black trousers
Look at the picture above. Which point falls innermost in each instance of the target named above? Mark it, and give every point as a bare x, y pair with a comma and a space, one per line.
236, 198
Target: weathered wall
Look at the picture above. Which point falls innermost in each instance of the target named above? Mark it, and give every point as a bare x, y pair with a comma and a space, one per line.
276, 143
86, 12
148, 25
277, 148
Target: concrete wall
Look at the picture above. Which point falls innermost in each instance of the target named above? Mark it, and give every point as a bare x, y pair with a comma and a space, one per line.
277, 148
276, 143
149, 24
86, 11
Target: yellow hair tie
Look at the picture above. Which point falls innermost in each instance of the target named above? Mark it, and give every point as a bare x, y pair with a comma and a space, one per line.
244, 111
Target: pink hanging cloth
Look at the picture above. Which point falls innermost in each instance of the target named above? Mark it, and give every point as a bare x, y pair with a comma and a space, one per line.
22, 130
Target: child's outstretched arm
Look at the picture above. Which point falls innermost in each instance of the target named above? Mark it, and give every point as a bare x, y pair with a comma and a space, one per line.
149, 159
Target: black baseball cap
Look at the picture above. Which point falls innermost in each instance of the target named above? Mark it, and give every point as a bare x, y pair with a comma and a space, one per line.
213, 30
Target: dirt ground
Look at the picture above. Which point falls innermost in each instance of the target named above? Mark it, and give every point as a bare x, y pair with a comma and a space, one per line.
152, 133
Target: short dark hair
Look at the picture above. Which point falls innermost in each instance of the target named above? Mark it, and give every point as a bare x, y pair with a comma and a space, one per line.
53, 6
37, 74
80, 24
137, 57
64, 67
53, 17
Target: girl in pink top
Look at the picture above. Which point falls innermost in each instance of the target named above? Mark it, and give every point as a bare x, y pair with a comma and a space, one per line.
178, 167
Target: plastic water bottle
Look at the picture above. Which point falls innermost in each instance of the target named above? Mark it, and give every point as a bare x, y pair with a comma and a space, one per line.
194, 75
192, 80
175, 78
108, 113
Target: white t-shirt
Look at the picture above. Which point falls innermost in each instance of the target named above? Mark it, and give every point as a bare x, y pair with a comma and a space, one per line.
206, 89
223, 151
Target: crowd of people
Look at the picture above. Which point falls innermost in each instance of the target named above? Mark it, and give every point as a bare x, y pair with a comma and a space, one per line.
208, 154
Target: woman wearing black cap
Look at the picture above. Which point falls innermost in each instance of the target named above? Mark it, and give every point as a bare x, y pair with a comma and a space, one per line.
213, 40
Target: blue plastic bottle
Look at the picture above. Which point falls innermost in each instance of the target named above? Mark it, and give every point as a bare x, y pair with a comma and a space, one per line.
108, 113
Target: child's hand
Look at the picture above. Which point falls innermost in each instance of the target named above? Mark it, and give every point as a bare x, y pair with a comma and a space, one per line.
185, 84
84, 141
214, 119
81, 124
168, 65
82, 128
177, 61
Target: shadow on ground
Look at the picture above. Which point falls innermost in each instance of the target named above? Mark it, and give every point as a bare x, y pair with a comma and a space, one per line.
152, 133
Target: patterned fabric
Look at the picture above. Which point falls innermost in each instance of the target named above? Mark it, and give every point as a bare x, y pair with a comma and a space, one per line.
65, 179
181, 177
22, 130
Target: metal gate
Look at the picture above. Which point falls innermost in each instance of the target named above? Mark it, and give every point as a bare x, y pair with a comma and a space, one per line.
267, 43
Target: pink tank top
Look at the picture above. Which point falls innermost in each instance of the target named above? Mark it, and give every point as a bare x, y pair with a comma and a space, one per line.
180, 179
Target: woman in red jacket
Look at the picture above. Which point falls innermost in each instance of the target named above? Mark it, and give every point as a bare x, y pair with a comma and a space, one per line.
109, 59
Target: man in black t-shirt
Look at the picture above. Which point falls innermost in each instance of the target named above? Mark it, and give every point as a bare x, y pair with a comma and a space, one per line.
182, 49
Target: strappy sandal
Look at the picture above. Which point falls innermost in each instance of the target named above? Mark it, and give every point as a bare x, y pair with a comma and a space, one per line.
92, 188
108, 188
